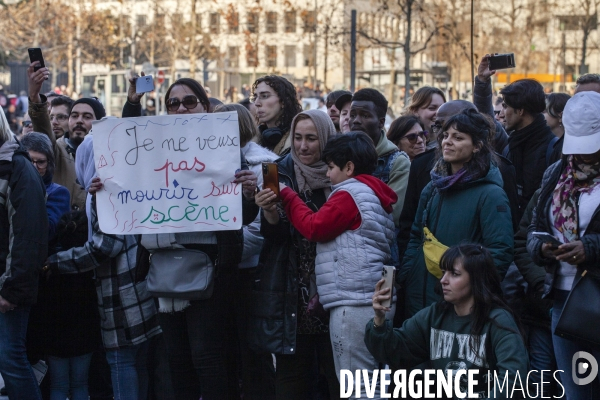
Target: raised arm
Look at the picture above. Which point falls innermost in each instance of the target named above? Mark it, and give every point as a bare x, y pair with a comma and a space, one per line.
38, 104
482, 92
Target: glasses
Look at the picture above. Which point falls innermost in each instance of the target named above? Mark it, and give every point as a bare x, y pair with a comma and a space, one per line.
27, 124
261, 96
496, 112
190, 102
59, 117
39, 163
412, 137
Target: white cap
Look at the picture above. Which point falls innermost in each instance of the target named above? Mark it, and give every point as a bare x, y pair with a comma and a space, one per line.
581, 119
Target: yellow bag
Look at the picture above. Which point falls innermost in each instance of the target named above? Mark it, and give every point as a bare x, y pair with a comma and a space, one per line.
433, 251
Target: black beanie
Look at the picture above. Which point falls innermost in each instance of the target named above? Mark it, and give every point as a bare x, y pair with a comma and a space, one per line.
98, 108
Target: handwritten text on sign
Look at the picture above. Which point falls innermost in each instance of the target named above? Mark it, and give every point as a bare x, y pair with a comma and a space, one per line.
168, 174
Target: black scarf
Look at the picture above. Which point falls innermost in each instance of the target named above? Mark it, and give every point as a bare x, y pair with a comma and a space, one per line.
520, 141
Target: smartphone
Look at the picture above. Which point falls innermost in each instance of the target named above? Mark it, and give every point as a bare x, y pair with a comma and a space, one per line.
35, 54
547, 238
502, 61
271, 178
144, 84
389, 274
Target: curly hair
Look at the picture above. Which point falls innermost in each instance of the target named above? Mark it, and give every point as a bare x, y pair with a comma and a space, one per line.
478, 127
287, 96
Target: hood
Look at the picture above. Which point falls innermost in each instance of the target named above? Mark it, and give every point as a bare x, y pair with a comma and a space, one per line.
384, 193
85, 169
256, 154
8, 148
385, 145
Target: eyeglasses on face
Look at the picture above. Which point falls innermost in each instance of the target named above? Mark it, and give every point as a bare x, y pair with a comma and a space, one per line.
496, 112
190, 102
412, 137
27, 124
59, 117
260, 96
39, 163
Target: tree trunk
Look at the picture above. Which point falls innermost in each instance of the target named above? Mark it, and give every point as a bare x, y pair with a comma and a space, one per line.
70, 80
192, 53
407, 39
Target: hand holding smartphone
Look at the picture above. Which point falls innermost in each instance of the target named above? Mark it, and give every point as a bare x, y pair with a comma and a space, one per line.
547, 238
144, 84
502, 61
271, 178
388, 274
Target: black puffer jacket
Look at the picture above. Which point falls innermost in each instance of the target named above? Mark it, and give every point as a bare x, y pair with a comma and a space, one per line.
541, 223
274, 315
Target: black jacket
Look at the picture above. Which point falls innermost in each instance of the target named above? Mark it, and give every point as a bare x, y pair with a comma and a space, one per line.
541, 223
273, 319
23, 228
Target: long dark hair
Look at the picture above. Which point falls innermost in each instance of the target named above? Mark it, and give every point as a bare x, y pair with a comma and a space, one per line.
401, 126
477, 261
287, 96
474, 124
195, 87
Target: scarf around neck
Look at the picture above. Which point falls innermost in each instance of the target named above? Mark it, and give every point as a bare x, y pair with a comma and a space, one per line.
443, 179
520, 140
314, 176
576, 179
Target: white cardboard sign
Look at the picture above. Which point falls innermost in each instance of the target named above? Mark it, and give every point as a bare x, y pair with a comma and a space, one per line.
168, 174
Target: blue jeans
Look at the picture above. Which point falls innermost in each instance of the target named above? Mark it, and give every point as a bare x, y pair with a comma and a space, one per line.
541, 357
15, 369
129, 372
69, 375
564, 350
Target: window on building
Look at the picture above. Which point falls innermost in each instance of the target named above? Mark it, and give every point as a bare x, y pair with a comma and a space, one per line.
233, 22
310, 21
290, 21
252, 22
198, 22
233, 53
159, 20
176, 18
271, 22
252, 55
141, 21
215, 20
575, 22
271, 56
290, 56
308, 54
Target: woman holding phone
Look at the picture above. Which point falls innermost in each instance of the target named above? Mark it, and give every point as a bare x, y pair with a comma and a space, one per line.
471, 328
195, 331
568, 208
287, 318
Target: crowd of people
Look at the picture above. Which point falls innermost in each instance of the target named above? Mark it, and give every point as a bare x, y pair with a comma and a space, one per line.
455, 195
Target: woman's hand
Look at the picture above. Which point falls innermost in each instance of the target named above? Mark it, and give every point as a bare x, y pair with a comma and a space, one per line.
132, 95
550, 251
266, 200
96, 186
572, 253
248, 180
378, 297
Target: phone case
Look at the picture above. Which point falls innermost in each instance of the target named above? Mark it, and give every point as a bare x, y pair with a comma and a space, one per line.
35, 54
271, 178
502, 61
389, 274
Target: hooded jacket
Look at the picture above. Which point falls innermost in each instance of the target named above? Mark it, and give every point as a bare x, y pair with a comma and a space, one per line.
23, 225
477, 212
349, 264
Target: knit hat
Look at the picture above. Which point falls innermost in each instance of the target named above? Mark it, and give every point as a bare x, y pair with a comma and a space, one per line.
98, 108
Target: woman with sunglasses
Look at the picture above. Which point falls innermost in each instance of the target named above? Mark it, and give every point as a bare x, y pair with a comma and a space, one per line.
196, 331
464, 201
470, 329
407, 133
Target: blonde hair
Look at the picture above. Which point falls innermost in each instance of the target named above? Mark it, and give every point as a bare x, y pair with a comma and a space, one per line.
248, 129
5, 133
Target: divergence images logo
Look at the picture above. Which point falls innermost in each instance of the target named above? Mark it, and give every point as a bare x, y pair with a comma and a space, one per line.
580, 367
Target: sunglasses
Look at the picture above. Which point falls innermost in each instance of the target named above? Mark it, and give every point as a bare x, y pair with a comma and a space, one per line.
412, 137
189, 102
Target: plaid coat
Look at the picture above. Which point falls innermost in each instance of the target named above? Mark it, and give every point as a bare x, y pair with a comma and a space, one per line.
127, 311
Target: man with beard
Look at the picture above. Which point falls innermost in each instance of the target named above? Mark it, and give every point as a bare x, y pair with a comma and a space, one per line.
80, 118
59, 116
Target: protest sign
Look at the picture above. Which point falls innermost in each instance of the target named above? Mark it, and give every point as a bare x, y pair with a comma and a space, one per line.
168, 174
